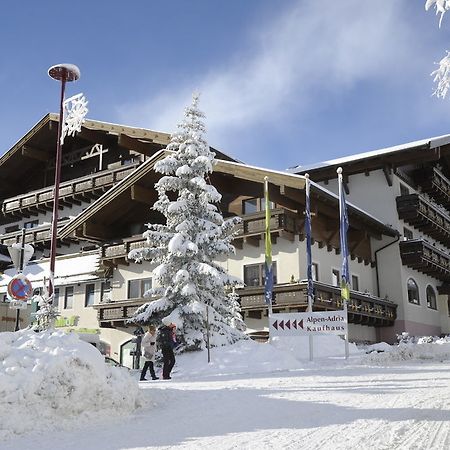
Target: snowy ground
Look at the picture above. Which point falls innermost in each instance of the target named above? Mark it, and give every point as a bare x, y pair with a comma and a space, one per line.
257, 396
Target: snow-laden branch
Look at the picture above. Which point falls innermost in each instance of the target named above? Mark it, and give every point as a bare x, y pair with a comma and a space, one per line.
442, 6
442, 77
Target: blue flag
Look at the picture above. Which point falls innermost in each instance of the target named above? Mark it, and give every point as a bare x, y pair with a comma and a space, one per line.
345, 278
308, 242
268, 283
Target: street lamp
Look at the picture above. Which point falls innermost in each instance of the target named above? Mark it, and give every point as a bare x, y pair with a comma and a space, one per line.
63, 73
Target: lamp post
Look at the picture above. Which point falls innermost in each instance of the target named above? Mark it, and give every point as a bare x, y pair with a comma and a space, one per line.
63, 73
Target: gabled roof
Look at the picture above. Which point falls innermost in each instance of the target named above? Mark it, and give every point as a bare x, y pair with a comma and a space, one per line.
231, 174
422, 150
23, 166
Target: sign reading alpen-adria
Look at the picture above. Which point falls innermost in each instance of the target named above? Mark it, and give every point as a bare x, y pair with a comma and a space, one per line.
294, 324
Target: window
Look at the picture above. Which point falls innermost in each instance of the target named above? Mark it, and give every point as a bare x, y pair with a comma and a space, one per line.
89, 295
403, 189
355, 283
431, 298
56, 298
31, 224
407, 234
137, 288
315, 271
413, 292
252, 205
254, 274
105, 295
68, 297
335, 277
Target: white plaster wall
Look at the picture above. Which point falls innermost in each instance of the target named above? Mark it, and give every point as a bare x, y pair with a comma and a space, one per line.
87, 315
122, 274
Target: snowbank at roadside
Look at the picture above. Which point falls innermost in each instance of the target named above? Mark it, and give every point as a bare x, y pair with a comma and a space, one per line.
424, 348
51, 380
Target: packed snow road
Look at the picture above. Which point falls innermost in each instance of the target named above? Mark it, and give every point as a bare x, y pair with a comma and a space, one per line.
332, 406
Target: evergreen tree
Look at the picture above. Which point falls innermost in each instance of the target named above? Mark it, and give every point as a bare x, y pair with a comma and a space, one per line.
184, 249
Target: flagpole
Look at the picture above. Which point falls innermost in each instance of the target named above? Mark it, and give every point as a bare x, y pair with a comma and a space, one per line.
345, 276
310, 289
268, 282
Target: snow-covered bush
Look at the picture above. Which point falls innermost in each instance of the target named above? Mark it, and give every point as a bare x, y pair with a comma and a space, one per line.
48, 379
190, 285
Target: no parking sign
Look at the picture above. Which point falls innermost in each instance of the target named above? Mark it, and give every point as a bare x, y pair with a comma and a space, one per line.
19, 288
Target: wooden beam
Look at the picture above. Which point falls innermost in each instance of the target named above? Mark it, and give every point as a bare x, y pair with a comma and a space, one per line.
137, 145
143, 195
387, 170
34, 153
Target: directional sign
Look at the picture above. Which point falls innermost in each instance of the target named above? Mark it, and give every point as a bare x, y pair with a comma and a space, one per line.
308, 323
14, 252
19, 288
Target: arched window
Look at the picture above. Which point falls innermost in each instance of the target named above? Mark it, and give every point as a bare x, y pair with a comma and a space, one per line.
413, 292
431, 298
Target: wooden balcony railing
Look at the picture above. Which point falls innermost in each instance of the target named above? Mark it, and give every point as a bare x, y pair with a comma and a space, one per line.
426, 217
435, 183
364, 309
117, 313
252, 226
118, 252
35, 236
424, 257
282, 221
72, 191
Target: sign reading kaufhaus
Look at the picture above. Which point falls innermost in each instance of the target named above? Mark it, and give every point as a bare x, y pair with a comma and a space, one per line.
294, 324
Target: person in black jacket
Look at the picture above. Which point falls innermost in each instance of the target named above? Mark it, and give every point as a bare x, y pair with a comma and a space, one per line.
166, 342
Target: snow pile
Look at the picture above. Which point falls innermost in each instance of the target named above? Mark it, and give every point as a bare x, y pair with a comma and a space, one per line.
423, 348
50, 380
243, 357
251, 357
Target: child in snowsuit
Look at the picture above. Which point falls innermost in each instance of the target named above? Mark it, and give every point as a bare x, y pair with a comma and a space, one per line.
148, 345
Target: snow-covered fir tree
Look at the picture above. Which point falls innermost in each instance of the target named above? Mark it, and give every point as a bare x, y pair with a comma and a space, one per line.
185, 249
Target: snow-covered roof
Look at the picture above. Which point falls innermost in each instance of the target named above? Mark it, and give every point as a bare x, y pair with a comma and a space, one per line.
430, 142
68, 270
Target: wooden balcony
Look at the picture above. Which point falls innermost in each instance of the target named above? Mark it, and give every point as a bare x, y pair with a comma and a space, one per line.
424, 257
36, 236
363, 309
435, 184
70, 192
426, 217
282, 223
118, 253
116, 314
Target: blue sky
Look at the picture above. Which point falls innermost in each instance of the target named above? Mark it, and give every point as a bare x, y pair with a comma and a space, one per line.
282, 82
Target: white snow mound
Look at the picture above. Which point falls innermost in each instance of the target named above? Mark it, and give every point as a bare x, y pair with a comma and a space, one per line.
52, 380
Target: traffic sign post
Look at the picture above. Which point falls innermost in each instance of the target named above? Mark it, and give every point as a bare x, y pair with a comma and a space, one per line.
19, 288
